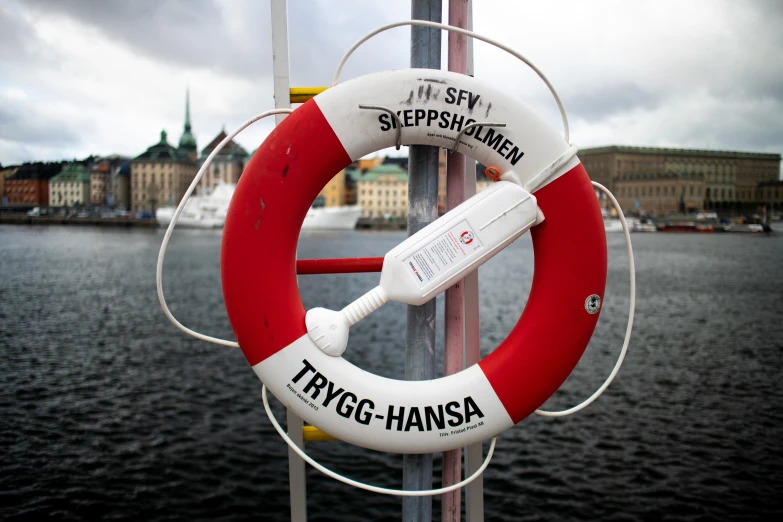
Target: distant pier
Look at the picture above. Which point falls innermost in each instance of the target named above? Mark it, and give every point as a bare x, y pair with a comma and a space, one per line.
23, 219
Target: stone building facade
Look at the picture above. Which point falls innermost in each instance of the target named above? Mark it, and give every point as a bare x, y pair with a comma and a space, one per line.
6, 172
122, 187
71, 187
383, 192
341, 189
29, 185
770, 193
660, 180
104, 179
160, 176
227, 166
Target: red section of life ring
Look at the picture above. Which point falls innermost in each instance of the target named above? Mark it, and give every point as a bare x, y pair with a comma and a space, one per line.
259, 253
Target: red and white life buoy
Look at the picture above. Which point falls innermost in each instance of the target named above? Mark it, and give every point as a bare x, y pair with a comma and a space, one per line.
258, 258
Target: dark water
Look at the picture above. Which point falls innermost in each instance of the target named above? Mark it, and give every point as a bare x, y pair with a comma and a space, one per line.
108, 412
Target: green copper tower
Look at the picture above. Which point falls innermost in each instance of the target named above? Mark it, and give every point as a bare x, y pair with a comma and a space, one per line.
187, 143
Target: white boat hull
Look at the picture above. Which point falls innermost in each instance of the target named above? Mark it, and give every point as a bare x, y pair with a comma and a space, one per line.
210, 211
202, 211
164, 215
332, 218
612, 225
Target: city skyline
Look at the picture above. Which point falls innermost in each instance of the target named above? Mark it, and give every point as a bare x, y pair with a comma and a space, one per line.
83, 79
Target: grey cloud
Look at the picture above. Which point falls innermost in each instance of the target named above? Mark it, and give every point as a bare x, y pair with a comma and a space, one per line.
195, 34
191, 34
739, 130
23, 124
320, 36
600, 104
15, 42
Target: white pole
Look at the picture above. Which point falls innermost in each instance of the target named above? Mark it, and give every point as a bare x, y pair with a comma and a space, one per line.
296, 466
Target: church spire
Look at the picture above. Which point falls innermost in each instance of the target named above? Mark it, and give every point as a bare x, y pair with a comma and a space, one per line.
187, 143
187, 109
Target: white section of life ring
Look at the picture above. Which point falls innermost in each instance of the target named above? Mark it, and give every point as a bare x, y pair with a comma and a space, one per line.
376, 412
434, 106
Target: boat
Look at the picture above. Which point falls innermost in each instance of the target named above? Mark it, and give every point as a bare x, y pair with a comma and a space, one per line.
332, 218
201, 211
611, 224
686, 226
746, 228
636, 225
209, 210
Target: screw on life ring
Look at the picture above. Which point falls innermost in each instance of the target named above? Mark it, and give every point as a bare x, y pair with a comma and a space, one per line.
258, 258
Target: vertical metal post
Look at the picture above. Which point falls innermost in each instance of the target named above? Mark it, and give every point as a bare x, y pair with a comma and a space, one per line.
296, 466
474, 492
455, 306
422, 210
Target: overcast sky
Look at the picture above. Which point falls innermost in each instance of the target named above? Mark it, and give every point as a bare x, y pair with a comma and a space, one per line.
80, 77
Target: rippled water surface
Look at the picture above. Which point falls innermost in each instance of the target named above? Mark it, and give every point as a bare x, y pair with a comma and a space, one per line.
108, 412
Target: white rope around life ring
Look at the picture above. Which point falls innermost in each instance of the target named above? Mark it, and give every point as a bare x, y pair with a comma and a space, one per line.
631, 309
471, 34
367, 487
278, 428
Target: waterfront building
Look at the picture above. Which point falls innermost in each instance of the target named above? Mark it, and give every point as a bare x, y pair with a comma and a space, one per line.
333, 194
121, 187
366, 165
99, 174
29, 185
227, 166
383, 192
104, 181
663, 180
350, 192
770, 193
160, 176
341, 189
71, 187
6, 173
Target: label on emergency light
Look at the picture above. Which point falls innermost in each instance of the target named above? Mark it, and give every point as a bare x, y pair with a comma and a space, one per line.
439, 255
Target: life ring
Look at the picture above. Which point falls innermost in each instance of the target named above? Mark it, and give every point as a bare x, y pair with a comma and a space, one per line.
258, 257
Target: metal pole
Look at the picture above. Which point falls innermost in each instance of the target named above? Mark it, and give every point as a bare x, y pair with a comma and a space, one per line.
422, 210
296, 466
474, 492
455, 306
